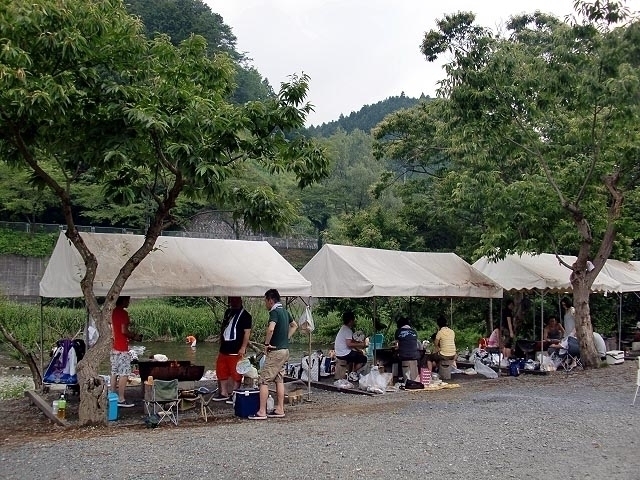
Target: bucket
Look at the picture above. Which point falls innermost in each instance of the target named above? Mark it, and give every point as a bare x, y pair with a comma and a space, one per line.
112, 411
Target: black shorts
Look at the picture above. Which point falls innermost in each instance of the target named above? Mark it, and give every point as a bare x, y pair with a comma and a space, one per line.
354, 357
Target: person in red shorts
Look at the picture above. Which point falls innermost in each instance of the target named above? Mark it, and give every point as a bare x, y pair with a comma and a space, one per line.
234, 339
120, 358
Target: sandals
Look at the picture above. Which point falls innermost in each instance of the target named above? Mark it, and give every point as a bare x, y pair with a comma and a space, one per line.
268, 415
275, 415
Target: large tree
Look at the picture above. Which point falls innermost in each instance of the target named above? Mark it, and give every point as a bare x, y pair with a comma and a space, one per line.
539, 129
83, 89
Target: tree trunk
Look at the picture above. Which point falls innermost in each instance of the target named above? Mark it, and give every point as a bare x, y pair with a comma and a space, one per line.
26, 356
93, 390
584, 328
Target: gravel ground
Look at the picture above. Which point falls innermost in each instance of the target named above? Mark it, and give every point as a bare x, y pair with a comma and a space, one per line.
575, 426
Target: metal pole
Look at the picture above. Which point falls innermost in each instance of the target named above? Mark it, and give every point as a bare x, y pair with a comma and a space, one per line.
451, 312
375, 315
620, 323
541, 323
491, 313
41, 344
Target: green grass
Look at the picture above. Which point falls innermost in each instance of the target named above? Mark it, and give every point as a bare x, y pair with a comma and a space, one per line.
27, 244
14, 387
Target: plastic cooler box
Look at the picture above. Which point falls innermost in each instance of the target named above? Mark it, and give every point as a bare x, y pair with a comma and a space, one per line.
246, 403
615, 357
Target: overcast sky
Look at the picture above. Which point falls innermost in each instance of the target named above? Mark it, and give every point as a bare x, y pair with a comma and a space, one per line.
357, 52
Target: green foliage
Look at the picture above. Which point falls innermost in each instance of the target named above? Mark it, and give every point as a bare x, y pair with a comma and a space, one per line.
377, 227
155, 320
23, 322
14, 387
347, 189
20, 201
27, 244
182, 18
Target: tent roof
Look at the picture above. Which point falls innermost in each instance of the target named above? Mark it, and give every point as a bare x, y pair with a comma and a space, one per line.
627, 273
177, 266
344, 271
538, 272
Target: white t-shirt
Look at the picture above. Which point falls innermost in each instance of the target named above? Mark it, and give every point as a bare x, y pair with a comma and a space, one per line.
601, 347
341, 347
569, 320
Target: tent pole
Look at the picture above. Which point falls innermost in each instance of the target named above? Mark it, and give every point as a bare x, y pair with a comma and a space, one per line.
451, 312
375, 316
541, 323
620, 322
309, 376
41, 344
500, 342
491, 314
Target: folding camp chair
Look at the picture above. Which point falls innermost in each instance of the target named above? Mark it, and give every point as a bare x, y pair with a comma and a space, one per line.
571, 356
205, 397
162, 399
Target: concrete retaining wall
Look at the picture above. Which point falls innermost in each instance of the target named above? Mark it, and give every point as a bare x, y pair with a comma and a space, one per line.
20, 277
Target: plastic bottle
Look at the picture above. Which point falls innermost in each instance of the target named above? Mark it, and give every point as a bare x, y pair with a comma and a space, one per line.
62, 406
270, 404
54, 407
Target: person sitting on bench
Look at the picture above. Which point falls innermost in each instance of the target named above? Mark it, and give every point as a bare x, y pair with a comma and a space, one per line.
407, 346
347, 348
444, 344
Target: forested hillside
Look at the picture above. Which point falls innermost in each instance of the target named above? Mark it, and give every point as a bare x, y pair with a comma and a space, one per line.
367, 117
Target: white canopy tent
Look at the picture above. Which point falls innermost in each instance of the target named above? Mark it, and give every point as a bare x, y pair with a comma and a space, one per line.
177, 266
357, 272
542, 273
628, 274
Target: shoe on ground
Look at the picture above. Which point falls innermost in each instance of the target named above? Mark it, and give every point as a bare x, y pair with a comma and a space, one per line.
229, 401
220, 398
125, 404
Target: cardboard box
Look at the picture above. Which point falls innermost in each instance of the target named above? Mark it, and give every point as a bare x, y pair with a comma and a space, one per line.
615, 357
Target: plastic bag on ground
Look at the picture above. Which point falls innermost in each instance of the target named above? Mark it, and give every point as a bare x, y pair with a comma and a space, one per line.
484, 370
343, 383
376, 380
